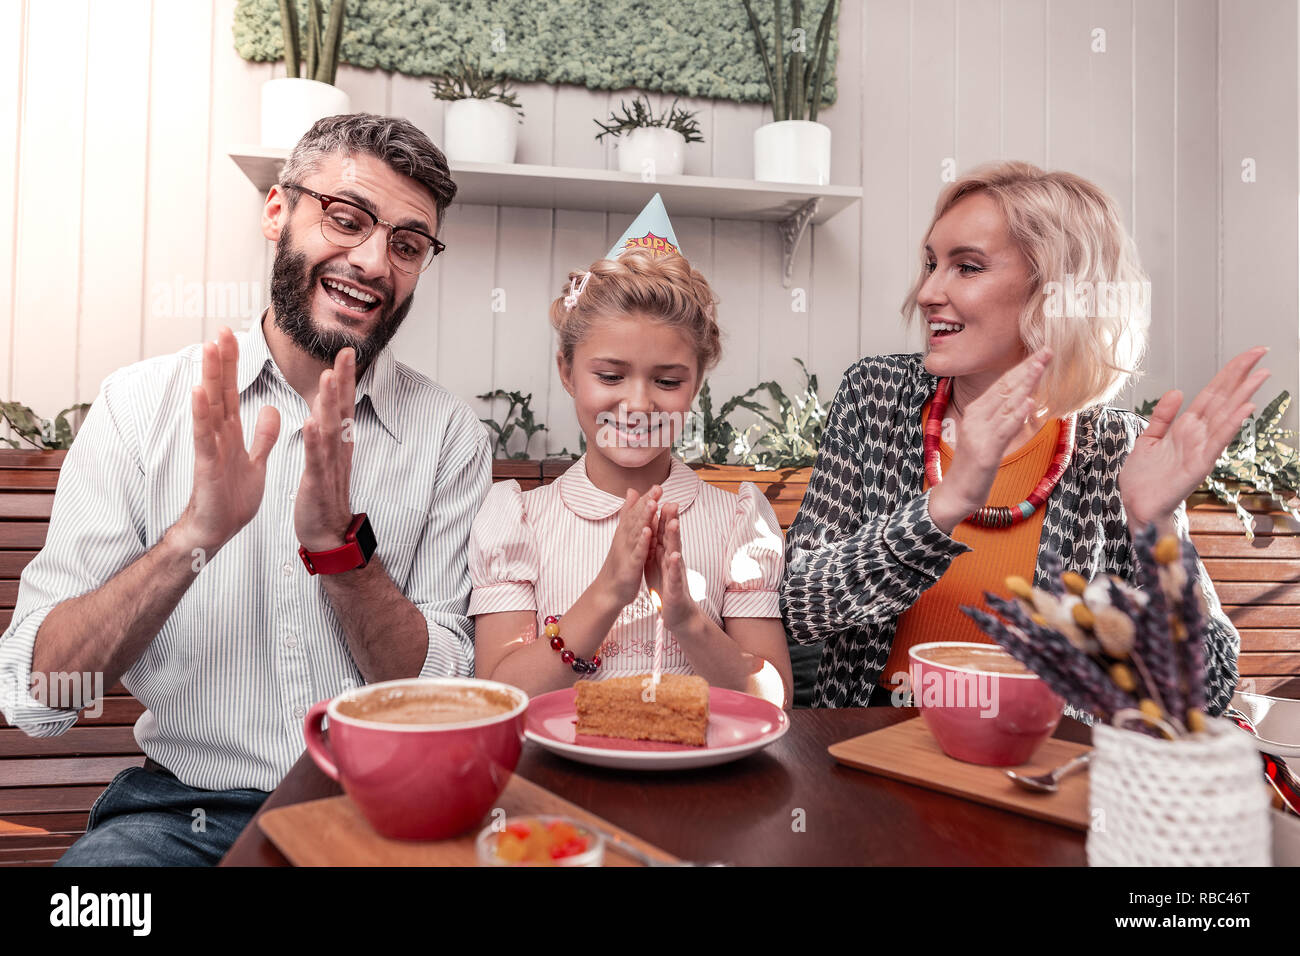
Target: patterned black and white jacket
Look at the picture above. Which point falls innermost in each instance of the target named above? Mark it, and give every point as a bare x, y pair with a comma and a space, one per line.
863, 547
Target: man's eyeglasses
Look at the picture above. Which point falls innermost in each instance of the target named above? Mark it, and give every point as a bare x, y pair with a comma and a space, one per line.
346, 224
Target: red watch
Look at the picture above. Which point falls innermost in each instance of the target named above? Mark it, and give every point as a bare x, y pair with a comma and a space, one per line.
359, 545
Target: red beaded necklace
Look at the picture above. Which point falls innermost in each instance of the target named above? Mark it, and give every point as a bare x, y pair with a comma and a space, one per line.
998, 516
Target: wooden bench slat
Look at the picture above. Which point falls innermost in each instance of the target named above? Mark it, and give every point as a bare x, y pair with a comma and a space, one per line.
1233, 592
28, 479
1269, 639
30, 858
8, 593
76, 740
20, 800
1262, 615
32, 458
58, 771
1267, 664
1244, 569
1236, 545
39, 841
13, 562
1227, 522
36, 824
23, 506
505, 468
1288, 687
22, 534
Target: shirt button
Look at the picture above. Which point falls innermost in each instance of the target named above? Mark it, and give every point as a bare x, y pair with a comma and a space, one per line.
293, 495
287, 569
291, 641
300, 712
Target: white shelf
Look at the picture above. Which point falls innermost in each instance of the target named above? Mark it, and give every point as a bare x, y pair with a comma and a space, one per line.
793, 205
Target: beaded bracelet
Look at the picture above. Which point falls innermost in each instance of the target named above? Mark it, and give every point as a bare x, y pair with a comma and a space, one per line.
557, 644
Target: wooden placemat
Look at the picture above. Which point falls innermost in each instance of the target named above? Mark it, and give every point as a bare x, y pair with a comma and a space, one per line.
332, 832
908, 751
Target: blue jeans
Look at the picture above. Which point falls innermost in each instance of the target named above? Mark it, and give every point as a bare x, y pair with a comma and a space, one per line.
147, 818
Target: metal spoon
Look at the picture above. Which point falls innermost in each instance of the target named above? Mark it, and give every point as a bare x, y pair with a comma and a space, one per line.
1049, 782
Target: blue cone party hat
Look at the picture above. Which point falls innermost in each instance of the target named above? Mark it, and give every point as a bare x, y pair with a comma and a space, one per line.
650, 230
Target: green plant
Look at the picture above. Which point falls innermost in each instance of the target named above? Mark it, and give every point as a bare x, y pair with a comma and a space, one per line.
793, 432
575, 455
322, 54
518, 416
468, 82
797, 85
642, 116
712, 437
41, 432
786, 437
1261, 460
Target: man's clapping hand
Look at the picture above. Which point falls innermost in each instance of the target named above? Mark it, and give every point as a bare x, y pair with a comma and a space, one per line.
322, 510
228, 478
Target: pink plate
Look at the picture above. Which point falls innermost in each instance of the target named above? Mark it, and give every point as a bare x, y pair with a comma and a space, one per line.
739, 724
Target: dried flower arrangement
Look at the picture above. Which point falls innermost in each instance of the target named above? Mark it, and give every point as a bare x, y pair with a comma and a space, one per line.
1132, 656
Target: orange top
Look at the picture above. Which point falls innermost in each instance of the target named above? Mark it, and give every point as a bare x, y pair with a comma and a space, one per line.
995, 554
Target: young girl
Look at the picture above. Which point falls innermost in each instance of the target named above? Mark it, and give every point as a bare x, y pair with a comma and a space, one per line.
636, 335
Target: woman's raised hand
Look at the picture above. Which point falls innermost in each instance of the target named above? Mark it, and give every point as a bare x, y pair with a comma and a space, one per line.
625, 564
1175, 453
987, 427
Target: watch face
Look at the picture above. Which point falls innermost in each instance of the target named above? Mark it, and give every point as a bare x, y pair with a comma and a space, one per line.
366, 539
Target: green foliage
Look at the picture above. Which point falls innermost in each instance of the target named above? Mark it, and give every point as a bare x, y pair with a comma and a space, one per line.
796, 84
575, 455
1261, 460
786, 436
518, 416
642, 116
469, 82
41, 432
793, 432
323, 43
692, 48
713, 437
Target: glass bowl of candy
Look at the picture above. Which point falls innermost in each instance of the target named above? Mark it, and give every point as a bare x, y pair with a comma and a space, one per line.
540, 841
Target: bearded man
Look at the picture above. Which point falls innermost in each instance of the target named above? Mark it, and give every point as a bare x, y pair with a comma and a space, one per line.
231, 587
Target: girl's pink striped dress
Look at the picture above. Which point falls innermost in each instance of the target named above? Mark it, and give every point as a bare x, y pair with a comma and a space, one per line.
539, 550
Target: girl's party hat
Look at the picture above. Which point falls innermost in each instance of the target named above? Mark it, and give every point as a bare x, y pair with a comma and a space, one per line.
650, 230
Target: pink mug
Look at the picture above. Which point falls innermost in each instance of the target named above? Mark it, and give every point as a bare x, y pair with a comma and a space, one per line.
977, 715
426, 781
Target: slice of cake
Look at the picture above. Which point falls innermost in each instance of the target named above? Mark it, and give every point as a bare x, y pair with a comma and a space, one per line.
617, 707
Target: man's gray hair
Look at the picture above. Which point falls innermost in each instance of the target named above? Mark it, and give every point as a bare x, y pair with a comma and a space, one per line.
395, 141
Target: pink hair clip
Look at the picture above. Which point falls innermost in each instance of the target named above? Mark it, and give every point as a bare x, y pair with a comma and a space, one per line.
575, 290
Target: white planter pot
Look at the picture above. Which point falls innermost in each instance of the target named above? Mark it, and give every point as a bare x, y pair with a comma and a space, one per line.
793, 151
290, 105
479, 131
651, 152
1199, 801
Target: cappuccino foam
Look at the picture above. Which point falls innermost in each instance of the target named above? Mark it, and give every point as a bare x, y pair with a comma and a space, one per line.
989, 660
443, 705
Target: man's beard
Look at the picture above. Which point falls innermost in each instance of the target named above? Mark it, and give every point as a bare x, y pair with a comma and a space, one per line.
291, 295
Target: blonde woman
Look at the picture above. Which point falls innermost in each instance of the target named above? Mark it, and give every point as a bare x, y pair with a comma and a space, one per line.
1036, 310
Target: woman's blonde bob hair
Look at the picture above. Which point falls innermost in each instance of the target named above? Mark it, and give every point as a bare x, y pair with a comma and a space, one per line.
1089, 299
639, 282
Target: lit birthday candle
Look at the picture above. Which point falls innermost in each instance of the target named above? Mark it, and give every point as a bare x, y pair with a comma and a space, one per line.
657, 670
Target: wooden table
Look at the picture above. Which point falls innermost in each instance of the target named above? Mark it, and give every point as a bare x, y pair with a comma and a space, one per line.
745, 812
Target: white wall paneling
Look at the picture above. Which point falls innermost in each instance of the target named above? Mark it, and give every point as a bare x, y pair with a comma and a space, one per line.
122, 114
